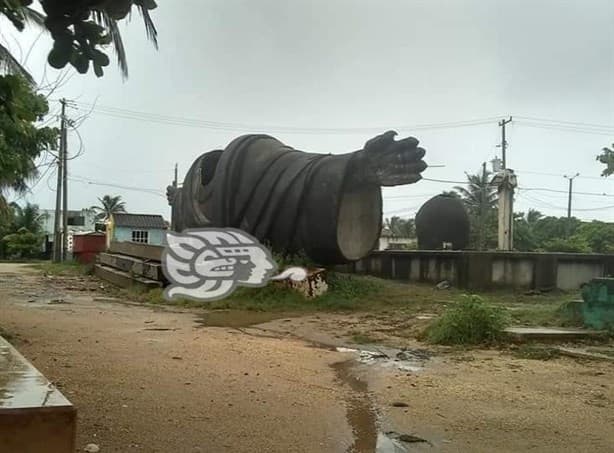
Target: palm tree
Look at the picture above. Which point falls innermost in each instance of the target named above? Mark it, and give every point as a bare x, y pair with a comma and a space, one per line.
533, 216
403, 228
29, 217
479, 193
82, 49
109, 205
480, 199
20, 16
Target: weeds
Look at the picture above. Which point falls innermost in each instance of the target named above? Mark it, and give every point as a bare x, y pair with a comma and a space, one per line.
346, 292
470, 321
66, 268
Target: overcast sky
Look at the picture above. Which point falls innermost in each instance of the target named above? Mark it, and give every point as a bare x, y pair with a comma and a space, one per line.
366, 65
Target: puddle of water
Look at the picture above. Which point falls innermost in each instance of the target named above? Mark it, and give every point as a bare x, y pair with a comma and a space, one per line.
404, 360
236, 318
363, 418
360, 413
387, 444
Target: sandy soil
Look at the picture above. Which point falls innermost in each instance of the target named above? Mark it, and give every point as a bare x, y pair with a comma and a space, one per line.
158, 381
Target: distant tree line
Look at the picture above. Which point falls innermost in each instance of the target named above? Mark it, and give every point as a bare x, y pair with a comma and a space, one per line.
532, 230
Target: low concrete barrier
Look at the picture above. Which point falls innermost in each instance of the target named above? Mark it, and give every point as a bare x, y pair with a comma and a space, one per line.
34, 416
487, 270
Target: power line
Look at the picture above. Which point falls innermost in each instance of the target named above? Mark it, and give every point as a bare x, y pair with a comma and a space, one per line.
444, 181
563, 208
570, 123
116, 186
226, 126
559, 175
564, 128
543, 189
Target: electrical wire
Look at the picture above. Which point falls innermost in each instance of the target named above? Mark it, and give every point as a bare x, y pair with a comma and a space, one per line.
563, 128
116, 186
543, 189
550, 205
559, 175
226, 126
561, 122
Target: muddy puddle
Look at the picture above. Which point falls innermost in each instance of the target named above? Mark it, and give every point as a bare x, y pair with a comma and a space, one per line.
364, 420
410, 360
236, 318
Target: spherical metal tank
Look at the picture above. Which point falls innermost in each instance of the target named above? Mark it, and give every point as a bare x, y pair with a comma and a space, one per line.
442, 220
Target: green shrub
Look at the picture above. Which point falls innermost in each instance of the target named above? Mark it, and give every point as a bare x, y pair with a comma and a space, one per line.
23, 244
469, 321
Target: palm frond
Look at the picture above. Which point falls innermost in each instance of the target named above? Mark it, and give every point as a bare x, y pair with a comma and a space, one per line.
150, 27
8, 63
34, 17
103, 19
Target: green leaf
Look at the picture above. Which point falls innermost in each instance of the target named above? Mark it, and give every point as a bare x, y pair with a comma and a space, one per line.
98, 70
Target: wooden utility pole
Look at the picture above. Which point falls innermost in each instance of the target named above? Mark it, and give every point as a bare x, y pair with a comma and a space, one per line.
502, 124
57, 235
64, 183
570, 178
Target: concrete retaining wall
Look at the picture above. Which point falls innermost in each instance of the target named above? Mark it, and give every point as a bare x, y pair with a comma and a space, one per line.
486, 270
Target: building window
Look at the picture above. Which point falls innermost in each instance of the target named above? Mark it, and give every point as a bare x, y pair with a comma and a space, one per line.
76, 221
140, 236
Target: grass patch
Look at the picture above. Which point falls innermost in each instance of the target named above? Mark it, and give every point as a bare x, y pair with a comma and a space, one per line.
66, 268
346, 292
470, 321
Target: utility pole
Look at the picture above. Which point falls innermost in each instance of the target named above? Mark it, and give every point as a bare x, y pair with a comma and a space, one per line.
64, 182
171, 202
505, 180
570, 178
57, 235
502, 124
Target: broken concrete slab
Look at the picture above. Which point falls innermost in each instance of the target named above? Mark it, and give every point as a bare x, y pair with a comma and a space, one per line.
558, 334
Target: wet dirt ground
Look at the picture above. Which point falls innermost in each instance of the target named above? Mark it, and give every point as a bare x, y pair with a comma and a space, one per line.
168, 380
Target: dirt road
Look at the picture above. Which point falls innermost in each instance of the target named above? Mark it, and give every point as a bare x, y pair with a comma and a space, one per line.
158, 381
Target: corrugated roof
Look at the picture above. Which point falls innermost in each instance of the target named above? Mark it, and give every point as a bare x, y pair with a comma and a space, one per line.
139, 220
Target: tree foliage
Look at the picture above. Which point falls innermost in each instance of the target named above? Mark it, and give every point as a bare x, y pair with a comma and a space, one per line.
80, 30
533, 232
23, 244
607, 158
21, 231
28, 217
480, 199
109, 205
399, 227
21, 141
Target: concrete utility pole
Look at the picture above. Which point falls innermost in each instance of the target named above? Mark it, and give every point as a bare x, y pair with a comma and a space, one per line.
57, 235
570, 178
175, 185
506, 182
502, 124
64, 183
